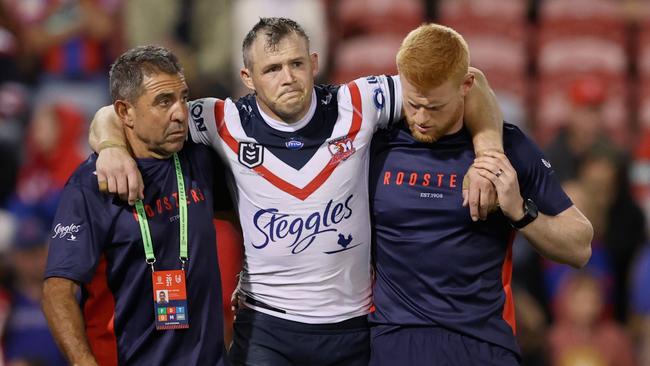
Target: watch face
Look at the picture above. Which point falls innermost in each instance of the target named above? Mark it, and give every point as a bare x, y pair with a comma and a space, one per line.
530, 214
531, 208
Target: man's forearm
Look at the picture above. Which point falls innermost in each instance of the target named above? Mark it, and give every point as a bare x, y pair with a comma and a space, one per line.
66, 321
106, 127
565, 238
483, 117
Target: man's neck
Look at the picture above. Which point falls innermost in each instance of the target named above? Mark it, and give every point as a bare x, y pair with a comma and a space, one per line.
299, 117
293, 126
140, 150
456, 126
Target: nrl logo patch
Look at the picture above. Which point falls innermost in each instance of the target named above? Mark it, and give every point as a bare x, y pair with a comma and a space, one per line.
251, 155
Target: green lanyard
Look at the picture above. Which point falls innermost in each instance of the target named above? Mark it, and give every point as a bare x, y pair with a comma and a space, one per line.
182, 208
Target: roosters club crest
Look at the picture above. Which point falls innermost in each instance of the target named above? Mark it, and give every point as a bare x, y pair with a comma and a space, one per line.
341, 148
251, 155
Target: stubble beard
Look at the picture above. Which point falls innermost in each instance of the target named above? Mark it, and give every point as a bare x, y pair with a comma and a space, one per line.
290, 113
437, 133
421, 137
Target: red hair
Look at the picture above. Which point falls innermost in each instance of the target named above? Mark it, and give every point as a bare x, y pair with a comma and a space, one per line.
432, 54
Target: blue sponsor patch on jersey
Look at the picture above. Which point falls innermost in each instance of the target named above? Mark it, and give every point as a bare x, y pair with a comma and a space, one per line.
294, 144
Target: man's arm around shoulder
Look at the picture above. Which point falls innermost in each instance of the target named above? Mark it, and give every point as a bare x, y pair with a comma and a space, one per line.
484, 120
117, 171
483, 116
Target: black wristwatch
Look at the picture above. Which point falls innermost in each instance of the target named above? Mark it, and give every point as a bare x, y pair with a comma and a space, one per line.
530, 214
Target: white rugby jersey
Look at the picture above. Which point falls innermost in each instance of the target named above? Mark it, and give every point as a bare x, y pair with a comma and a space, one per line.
302, 197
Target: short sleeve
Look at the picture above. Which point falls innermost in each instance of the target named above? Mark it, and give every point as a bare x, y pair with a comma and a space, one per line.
537, 179
78, 234
381, 98
205, 113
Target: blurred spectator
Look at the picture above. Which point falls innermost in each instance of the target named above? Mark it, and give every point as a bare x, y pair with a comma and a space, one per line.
13, 112
601, 190
580, 334
199, 32
640, 304
583, 130
8, 225
624, 238
599, 264
8, 46
13, 103
531, 328
618, 221
640, 173
27, 337
67, 43
53, 151
7, 232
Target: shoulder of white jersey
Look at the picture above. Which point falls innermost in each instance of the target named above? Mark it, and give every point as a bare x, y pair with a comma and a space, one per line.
205, 117
379, 95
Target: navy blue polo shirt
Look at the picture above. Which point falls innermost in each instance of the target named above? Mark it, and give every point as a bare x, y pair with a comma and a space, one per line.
434, 266
96, 241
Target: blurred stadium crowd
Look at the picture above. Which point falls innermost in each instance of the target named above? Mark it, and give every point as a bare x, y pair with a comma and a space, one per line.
574, 74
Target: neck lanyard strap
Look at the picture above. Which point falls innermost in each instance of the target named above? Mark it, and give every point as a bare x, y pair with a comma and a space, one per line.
182, 210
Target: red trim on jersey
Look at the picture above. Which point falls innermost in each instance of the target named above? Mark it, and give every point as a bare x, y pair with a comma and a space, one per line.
219, 107
311, 187
506, 279
99, 313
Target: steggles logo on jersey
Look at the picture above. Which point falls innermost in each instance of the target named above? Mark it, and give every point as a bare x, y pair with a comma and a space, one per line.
341, 148
66, 232
344, 242
274, 226
251, 154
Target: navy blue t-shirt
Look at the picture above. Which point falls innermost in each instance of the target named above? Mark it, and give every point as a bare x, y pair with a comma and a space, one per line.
434, 266
96, 241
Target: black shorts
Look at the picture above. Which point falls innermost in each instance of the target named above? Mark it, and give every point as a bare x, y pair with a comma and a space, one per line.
262, 340
432, 346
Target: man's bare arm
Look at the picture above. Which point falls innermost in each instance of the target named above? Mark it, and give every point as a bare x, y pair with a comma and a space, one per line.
484, 119
564, 238
483, 116
106, 127
117, 172
65, 320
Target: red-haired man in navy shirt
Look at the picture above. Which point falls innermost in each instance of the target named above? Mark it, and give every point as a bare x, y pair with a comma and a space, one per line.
442, 292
